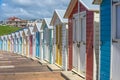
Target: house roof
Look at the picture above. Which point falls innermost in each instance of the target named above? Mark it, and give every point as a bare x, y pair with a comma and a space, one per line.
47, 22
87, 3
37, 27
60, 15
30, 30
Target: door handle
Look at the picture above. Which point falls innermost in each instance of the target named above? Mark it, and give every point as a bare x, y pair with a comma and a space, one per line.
114, 41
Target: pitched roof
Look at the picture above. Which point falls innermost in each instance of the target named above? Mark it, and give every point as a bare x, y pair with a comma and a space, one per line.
13, 35
87, 3
60, 15
30, 30
37, 27
20, 32
97, 2
47, 22
9, 36
25, 31
17, 34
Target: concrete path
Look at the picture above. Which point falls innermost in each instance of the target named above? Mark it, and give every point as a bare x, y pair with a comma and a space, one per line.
17, 67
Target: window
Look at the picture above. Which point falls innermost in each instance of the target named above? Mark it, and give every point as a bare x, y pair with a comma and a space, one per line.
118, 21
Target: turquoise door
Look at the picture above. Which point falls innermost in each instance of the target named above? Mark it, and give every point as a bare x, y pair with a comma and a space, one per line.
105, 39
20, 45
37, 44
50, 45
0, 44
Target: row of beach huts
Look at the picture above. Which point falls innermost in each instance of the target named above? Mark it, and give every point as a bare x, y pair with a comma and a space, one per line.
84, 38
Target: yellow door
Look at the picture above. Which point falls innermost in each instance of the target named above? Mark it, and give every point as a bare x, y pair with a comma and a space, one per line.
57, 51
26, 47
60, 45
8, 45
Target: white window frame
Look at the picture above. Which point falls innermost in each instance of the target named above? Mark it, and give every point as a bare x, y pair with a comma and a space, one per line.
75, 16
114, 25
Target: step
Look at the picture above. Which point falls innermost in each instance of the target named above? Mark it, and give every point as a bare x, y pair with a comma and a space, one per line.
54, 67
69, 75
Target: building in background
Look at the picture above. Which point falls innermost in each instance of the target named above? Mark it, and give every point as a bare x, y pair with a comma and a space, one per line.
15, 21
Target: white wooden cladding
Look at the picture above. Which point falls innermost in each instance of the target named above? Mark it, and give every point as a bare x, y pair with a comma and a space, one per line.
64, 46
116, 61
65, 35
118, 21
54, 35
78, 33
116, 0
96, 45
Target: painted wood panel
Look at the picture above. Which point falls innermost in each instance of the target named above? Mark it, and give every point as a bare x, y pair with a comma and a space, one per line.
105, 20
65, 46
59, 45
31, 45
89, 39
96, 45
0, 44
38, 44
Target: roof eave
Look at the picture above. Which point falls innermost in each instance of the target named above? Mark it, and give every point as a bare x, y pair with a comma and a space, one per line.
97, 2
70, 8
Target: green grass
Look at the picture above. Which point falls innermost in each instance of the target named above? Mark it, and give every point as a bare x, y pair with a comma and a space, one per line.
4, 30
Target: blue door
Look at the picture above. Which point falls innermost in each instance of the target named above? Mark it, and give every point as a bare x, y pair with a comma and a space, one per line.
20, 45
0, 44
37, 44
105, 38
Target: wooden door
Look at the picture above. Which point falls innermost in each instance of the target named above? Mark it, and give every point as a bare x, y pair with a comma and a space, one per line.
57, 46
83, 45
79, 45
31, 45
27, 54
116, 45
60, 44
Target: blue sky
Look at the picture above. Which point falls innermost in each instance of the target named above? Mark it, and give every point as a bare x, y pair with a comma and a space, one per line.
30, 9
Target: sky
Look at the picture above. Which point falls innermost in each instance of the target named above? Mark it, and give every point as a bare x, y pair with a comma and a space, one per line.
30, 9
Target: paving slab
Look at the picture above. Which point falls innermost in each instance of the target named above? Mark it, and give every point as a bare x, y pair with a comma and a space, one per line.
16, 67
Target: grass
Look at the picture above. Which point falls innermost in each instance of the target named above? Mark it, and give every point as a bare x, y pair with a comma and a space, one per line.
4, 29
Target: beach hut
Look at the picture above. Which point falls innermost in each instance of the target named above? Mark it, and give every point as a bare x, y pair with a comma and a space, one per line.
58, 23
25, 45
36, 29
82, 15
20, 41
30, 35
47, 39
110, 39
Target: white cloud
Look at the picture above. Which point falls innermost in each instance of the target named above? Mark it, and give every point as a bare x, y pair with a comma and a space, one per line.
31, 8
4, 4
